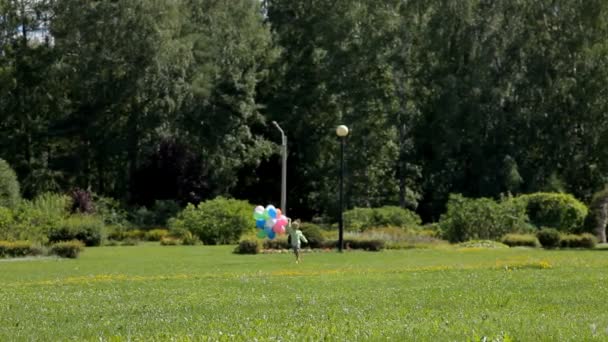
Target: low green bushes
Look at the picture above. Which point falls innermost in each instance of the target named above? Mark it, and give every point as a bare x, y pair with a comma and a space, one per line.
86, 228
248, 247
548, 237
555, 210
585, 240
481, 218
360, 219
67, 249
156, 234
17, 249
520, 240
217, 221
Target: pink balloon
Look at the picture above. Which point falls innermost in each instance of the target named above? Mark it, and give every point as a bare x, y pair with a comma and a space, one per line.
281, 230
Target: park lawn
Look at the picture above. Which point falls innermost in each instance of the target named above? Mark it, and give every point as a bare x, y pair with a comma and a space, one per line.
185, 293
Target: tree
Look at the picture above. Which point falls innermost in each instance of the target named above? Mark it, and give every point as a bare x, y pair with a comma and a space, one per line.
9, 186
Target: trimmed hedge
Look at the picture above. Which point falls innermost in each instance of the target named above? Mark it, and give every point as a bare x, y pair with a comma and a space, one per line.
555, 210
18, 249
248, 247
549, 237
525, 240
67, 249
373, 245
578, 241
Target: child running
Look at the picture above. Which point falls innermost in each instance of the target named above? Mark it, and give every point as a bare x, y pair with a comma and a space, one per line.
297, 237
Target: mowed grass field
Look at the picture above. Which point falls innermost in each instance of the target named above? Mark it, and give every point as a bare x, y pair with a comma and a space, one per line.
186, 293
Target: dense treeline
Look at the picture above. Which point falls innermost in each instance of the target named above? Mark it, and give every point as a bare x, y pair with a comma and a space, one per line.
152, 100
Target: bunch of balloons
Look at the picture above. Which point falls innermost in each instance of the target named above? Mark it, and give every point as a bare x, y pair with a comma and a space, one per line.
270, 221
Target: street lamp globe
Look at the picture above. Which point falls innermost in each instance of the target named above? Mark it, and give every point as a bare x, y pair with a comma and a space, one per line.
342, 131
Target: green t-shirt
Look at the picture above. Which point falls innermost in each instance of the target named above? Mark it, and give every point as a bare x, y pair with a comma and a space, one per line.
297, 237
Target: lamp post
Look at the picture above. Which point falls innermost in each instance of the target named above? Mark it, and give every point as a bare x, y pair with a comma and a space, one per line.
342, 132
283, 168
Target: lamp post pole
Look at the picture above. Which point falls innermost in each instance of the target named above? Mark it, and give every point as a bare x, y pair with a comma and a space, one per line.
283, 168
342, 132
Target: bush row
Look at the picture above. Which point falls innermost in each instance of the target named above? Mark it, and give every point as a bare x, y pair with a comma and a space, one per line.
484, 218
17, 249
361, 219
250, 246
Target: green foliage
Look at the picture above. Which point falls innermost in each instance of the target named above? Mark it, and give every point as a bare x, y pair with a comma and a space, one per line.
360, 219
557, 210
156, 234
548, 237
482, 244
313, 234
86, 228
373, 245
472, 219
248, 247
165, 210
170, 241
7, 223
18, 249
9, 186
277, 243
585, 240
67, 249
515, 240
217, 221
35, 219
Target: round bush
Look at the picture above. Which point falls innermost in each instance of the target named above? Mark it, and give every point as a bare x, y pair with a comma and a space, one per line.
556, 210
9, 186
548, 237
525, 240
7, 224
248, 247
217, 221
481, 219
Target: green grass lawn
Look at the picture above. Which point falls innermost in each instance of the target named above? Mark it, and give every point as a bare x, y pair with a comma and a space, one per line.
151, 292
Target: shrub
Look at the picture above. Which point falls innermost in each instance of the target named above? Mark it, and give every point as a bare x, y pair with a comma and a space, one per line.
313, 234
82, 201
526, 240
548, 237
248, 247
364, 244
9, 186
110, 210
156, 234
483, 218
278, 243
134, 234
218, 221
556, 210
482, 244
35, 219
7, 224
170, 241
360, 219
585, 240
142, 217
18, 249
67, 249
86, 228
164, 210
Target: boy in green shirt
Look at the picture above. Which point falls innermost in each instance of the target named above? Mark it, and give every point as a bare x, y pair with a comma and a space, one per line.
297, 237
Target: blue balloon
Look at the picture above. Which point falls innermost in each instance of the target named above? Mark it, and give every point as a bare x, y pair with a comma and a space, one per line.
272, 213
268, 230
260, 223
271, 235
